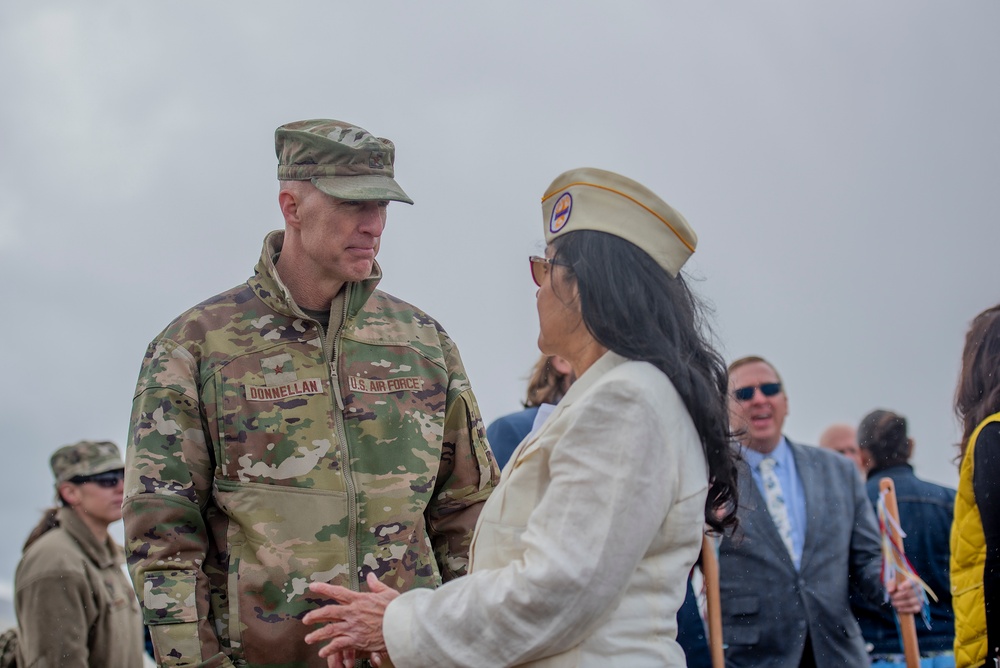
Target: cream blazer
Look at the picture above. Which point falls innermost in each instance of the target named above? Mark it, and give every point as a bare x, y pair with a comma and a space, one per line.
581, 554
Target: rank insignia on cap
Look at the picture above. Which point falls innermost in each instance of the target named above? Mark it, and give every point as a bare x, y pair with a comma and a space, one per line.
561, 212
377, 160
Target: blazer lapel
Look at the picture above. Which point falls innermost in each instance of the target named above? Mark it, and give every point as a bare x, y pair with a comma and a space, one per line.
753, 510
812, 486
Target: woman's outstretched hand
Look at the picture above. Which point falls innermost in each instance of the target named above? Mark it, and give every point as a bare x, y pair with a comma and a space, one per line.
353, 625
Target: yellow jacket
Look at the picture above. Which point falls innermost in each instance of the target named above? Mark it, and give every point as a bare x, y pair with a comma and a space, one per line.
968, 556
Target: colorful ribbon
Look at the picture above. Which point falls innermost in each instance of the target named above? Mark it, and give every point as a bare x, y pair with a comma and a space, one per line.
894, 561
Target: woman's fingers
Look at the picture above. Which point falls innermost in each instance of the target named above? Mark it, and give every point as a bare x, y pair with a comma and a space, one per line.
340, 646
353, 623
326, 632
335, 592
327, 613
343, 659
375, 585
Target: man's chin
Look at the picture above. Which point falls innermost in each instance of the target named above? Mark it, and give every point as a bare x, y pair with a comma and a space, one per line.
360, 271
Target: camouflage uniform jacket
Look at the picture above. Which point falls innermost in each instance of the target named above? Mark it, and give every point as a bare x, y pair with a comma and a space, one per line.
265, 456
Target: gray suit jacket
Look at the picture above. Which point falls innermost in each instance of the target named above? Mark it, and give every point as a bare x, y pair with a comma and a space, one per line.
768, 607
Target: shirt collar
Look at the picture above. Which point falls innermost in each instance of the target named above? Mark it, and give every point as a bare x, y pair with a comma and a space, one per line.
781, 454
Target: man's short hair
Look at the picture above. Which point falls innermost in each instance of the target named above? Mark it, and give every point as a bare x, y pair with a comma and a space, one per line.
884, 434
751, 359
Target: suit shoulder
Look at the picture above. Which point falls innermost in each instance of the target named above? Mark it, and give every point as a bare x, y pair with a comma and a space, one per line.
817, 453
821, 457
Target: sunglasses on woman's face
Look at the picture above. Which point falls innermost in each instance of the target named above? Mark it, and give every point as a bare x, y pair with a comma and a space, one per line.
746, 393
108, 479
541, 266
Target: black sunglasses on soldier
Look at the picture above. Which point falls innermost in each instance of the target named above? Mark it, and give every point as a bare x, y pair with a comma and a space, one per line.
107, 479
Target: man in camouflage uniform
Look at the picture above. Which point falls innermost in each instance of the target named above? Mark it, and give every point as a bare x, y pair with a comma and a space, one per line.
301, 427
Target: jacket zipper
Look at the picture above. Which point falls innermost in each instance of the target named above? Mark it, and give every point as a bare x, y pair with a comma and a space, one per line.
333, 363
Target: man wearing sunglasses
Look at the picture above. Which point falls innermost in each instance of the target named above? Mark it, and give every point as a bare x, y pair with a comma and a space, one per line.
806, 530
74, 604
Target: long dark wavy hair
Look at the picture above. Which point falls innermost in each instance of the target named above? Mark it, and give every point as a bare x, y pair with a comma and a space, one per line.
631, 306
978, 393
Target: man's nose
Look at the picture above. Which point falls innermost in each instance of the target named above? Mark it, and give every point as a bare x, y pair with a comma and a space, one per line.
373, 219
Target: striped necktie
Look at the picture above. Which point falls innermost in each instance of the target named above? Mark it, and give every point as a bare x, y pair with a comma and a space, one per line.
776, 503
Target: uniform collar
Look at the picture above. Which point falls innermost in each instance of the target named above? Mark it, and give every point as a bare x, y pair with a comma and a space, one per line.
267, 285
104, 555
782, 454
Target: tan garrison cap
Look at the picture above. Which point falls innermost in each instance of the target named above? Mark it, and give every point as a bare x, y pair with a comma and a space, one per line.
340, 159
85, 458
593, 199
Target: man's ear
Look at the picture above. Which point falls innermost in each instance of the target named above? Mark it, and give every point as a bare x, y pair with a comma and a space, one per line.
288, 202
867, 461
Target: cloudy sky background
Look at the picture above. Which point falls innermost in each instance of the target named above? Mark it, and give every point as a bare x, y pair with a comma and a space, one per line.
840, 163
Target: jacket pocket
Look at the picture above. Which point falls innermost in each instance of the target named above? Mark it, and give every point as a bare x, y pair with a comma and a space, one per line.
168, 597
280, 539
741, 614
278, 429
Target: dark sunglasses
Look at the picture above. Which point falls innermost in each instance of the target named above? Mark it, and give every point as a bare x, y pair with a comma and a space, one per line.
108, 479
746, 393
541, 266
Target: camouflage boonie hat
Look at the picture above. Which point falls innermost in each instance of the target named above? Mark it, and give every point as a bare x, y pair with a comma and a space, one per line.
340, 159
85, 458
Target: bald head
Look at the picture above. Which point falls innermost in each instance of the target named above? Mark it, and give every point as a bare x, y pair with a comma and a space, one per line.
843, 438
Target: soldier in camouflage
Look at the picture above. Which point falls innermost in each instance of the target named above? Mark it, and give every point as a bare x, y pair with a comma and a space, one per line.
302, 427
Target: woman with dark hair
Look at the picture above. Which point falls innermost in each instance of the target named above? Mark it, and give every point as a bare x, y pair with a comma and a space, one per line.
581, 554
549, 381
975, 532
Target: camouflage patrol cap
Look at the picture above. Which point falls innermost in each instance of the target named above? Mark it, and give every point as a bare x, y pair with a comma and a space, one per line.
85, 458
340, 159
593, 199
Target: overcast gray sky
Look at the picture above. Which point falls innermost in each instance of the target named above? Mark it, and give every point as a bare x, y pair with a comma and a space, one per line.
840, 163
